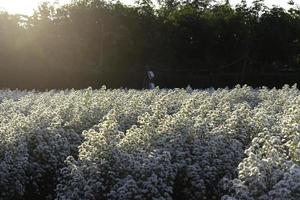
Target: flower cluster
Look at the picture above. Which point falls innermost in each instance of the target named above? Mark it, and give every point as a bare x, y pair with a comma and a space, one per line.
238, 144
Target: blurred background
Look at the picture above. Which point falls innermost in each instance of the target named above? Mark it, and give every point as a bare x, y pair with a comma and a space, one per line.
201, 43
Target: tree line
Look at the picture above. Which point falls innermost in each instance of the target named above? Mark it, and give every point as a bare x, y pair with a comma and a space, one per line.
197, 42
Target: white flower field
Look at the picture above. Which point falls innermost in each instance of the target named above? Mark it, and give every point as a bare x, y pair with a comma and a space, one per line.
229, 144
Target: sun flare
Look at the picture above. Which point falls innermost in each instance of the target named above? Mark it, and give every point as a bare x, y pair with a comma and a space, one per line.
25, 7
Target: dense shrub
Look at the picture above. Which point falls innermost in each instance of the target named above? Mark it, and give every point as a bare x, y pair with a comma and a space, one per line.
239, 143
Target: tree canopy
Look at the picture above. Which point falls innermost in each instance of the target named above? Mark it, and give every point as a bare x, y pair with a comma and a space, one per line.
197, 42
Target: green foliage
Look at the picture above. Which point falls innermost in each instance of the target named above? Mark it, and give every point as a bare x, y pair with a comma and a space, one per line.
92, 41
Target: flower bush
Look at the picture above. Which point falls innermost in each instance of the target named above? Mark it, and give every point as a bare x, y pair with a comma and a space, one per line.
239, 143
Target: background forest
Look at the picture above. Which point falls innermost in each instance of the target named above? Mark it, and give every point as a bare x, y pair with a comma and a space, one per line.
196, 42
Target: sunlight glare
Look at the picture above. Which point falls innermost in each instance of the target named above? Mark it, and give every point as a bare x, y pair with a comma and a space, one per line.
25, 7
